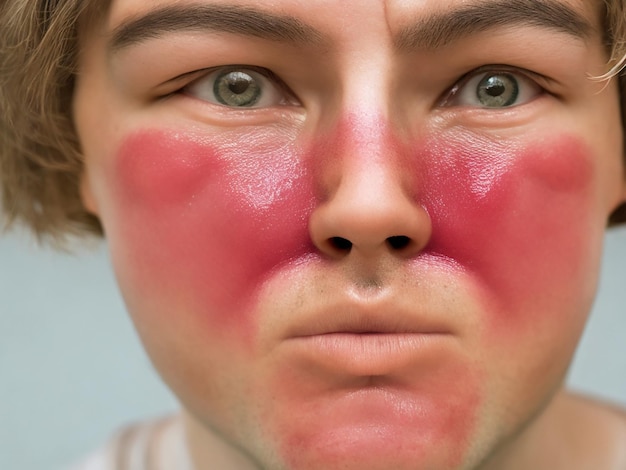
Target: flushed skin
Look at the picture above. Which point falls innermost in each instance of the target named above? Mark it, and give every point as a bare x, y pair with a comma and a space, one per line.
368, 269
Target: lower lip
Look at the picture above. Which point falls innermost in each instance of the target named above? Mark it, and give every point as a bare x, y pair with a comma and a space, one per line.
366, 354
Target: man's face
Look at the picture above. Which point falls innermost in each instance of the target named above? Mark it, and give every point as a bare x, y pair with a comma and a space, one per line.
353, 234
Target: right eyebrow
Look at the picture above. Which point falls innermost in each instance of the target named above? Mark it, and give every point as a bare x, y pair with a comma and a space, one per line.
440, 29
246, 21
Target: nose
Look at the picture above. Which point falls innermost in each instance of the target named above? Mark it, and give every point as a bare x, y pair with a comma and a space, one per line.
367, 206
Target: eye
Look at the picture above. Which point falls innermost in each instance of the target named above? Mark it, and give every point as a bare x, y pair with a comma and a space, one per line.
240, 87
493, 89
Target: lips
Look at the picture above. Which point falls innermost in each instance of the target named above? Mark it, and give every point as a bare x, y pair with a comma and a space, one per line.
367, 338
384, 313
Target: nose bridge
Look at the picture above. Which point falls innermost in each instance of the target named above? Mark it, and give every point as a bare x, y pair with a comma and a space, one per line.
364, 140
368, 161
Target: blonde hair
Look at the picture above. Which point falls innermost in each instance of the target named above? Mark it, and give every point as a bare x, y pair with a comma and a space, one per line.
40, 158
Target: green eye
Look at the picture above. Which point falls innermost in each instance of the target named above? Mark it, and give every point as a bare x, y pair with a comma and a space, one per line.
494, 89
237, 89
497, 91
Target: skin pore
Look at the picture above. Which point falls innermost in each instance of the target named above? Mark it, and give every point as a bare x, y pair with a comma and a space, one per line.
350, 237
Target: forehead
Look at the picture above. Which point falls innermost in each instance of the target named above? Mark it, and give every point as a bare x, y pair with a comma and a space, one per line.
393, 18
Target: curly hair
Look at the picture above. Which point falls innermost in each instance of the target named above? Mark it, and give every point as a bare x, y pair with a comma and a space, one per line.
40, 157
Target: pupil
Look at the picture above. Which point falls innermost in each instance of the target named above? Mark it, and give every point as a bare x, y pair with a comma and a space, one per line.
238, 85
495, 87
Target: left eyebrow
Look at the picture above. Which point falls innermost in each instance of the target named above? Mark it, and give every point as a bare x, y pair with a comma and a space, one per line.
441, 29
245, 21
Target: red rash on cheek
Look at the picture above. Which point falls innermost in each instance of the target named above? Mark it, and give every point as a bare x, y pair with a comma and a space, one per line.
214, 216
207, 219
516, 216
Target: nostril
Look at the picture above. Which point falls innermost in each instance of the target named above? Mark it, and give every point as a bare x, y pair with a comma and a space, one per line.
398, 242
341, 244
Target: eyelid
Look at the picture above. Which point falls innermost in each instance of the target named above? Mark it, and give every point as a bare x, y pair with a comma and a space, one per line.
535, 79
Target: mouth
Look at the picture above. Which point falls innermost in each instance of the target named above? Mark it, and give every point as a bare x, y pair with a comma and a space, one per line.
368, 340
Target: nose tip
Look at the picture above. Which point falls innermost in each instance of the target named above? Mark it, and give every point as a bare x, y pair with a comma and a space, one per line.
390, 223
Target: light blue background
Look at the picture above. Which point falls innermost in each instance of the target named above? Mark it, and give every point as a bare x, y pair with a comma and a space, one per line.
72, 371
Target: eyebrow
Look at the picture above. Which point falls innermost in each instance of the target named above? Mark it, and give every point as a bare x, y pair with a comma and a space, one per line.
441, 29
434, 31
232, 19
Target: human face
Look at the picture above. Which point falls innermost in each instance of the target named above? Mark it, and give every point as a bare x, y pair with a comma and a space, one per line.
349, 238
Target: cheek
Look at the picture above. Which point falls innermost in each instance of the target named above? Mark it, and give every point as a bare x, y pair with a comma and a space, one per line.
206, 220
518, 218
